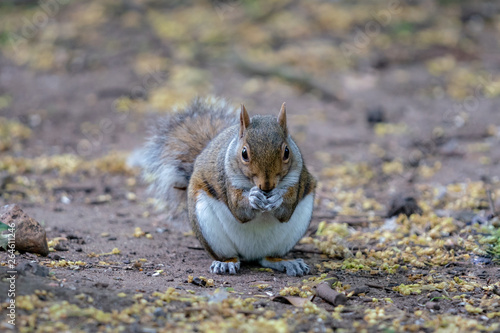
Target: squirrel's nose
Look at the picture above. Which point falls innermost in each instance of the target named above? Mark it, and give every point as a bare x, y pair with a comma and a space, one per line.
268, 188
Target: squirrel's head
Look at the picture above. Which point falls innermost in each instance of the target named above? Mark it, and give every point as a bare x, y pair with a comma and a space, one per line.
264, 154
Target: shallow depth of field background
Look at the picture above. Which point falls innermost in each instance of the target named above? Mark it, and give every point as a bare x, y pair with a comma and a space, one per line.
386, 99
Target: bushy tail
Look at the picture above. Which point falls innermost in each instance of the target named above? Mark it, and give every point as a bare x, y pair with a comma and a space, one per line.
168, 157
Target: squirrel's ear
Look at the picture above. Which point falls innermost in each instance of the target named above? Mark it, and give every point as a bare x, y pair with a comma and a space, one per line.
282, 118
244, 120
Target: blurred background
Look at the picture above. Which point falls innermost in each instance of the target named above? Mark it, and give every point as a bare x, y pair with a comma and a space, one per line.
395, 105
408, 90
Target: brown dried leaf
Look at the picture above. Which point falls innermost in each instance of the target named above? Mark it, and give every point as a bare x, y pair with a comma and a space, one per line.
296, 301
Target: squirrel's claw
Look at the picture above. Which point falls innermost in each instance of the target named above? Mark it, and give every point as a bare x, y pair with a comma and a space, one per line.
275, 200
224, 267
296, 267
292, 267
257, 199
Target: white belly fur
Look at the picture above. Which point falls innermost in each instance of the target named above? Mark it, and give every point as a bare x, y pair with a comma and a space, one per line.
258, 238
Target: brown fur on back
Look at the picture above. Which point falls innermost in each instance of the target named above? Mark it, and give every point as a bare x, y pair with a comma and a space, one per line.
188, 134
176, 142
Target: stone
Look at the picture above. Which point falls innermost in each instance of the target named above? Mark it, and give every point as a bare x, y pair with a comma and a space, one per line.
30, 235
33, 268
432, 306
403, 204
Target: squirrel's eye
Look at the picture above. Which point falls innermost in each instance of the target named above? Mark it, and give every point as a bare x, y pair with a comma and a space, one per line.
244, 154
286, 154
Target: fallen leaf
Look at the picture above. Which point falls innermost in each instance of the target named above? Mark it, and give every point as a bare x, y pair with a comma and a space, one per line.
296, 301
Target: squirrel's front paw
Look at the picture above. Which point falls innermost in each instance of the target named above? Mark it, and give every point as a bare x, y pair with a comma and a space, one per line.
224, 267
274, 199
258, 199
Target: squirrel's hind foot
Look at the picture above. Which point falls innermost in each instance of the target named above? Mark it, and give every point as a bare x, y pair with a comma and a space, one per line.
292, 267
230, 266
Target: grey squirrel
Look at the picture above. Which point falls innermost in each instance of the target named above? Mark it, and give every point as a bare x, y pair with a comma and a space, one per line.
249, 194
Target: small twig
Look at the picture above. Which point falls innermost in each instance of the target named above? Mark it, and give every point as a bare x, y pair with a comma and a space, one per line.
247, 312
304, 81
358, 248
375, 285
74, 188
332, 217
193, 309
312, 232
351, 222
325, 195
356, 222
196, 309
324, 217
491, 202
459, 263
378, 215
306, 251
14, 192
333, 297
114, 266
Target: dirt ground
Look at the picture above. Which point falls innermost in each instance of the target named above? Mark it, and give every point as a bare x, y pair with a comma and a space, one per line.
404, 105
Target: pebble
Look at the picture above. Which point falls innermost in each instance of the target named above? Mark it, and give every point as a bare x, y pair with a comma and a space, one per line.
199, 282
403, 204
158, 312
260, 304
30, 235
432, 306
65, 200
375, 115
33, 268
478, 260
122, 213
148, 330
60, 247
434, 296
